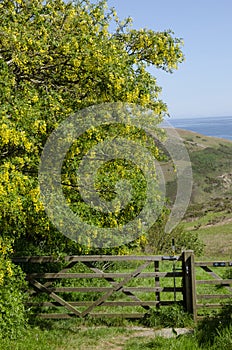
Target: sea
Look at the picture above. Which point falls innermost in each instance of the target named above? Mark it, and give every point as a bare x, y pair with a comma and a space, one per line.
209, 126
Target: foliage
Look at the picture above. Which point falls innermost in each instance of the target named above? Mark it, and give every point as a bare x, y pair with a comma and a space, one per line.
56, 58
211, 169
212, 330
211, 166
70, 335
186, 342
158, 241
227, 274
223, 339
12, 295
209, 334
211, 158
170, 316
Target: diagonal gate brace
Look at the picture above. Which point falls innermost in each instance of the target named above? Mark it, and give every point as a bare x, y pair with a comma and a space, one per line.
113, 282
53, 295
115, 288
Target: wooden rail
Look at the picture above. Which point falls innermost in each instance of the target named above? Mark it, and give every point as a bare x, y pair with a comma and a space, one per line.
97, 284
207, 301
101, 285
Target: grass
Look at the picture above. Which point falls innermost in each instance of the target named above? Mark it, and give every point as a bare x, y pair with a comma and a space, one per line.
184, 343
119, 296
209, 219
102, 334
71, 336
117, 334
65, 335
211, 165
213, 224
222, 341
217, 236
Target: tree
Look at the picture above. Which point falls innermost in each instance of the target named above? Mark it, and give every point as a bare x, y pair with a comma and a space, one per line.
57, 58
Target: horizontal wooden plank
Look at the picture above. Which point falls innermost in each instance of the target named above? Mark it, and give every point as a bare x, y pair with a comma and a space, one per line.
102, 275
118, 315
100, 315
209, 316
57, 298
214, 296
209, 306
106, 303
122, 289
84, 258
224, 282
213, 263
34, 259
55, 316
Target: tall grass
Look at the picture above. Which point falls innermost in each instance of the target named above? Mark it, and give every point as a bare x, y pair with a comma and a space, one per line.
65, 335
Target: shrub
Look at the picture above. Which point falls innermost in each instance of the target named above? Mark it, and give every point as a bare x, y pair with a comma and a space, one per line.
223, 340
170, 316
215, 330
227, 273
160, 242
12, 294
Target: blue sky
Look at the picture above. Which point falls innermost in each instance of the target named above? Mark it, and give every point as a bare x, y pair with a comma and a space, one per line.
203, 84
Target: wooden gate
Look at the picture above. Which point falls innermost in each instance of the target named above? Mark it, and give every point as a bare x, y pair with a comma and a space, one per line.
85, 285
123, 286
214, 291
200, 294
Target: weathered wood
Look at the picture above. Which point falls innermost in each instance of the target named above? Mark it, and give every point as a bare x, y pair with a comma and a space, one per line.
222, 282
35, 259
212, 263
210, 306
214, 275
112, 282
94, 315
111, 277
189, 286
218, 280
118, 283
49, 283
214, 296
56, 297
106, 303
63, 275
84, 258
157, 282
108, 289
210, 272
115, 288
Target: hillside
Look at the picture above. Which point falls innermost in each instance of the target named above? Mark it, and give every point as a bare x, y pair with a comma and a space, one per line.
211, 160
210, 209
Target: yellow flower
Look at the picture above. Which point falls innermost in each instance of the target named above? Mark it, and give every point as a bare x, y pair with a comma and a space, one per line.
1, 277
4, 250
9, 270
35, 98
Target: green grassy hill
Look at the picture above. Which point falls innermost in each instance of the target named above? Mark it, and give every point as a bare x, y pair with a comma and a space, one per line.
210, 209
211, 160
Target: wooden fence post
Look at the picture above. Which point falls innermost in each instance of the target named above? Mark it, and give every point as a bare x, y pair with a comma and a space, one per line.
189, 283
157, 283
